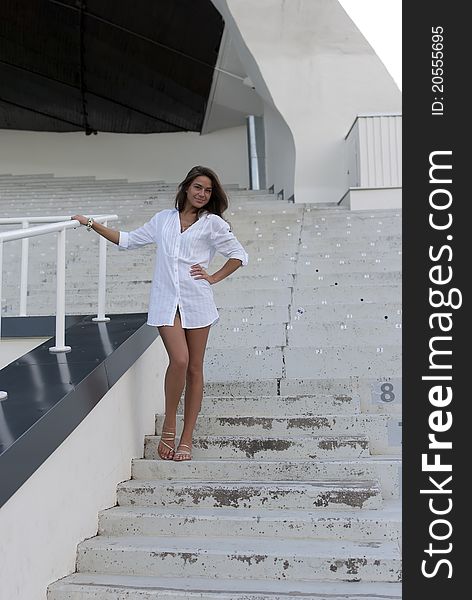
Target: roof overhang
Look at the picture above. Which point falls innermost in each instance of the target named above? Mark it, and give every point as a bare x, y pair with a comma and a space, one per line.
100, 65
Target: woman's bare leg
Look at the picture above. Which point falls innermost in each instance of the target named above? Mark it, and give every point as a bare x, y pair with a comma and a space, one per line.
196, 343
175, 344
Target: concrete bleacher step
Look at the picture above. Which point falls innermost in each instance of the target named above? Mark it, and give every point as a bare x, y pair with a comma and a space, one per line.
245, 364
270, 495
316, 313
340, 333
229, 558
370, 360
350, 278
386, 470
96, 586
280, 447
374, 427
343, 333
306, 404
348, 294
318, 524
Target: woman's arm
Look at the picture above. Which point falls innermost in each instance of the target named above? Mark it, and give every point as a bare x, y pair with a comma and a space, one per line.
230, 266
111, 235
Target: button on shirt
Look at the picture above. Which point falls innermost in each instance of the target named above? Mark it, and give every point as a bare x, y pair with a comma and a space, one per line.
176, 252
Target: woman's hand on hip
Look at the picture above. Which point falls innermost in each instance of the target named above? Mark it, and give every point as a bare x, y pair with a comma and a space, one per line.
198, 272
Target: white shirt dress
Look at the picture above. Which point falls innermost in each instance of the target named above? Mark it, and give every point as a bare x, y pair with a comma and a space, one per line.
172, 285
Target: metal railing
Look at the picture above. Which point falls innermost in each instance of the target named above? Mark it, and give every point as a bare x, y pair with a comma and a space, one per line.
54, 224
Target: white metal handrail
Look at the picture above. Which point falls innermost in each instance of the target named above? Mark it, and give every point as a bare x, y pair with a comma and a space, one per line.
54, 224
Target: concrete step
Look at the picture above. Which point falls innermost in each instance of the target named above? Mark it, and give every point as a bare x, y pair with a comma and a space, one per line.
322, 218
340, 222
294, 495
223, 364
251, 298
362, 361
300, 280
258, 387
229, 558
348, 294
370, 278
244, 335
352, 524
384, 469
333, 235
322, 313
347, 220
351, 386
378, 429
97, 586
282, 425
273, 447
317, 244
360, 251
261, 315
240, 280
367, 265
325, 241
342, 333
276, 406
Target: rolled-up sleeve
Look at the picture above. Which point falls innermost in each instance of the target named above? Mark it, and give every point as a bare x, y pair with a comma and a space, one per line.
225, 242
146, 234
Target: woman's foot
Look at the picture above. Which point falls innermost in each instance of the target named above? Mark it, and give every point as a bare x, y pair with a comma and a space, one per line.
184, 452
166, 447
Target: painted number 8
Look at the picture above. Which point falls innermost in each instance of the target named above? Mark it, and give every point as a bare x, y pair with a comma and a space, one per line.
387, 394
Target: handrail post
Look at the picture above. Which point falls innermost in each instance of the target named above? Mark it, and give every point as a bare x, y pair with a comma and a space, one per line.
102, 277
3, 395
60, 294
24, 272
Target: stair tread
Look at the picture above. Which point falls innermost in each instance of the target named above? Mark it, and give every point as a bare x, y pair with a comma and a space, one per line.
196, 461
307, 589
222, 545
391, 510
262, 484
218, 437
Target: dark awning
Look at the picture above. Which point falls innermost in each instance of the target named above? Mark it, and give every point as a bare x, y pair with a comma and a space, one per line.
140, 66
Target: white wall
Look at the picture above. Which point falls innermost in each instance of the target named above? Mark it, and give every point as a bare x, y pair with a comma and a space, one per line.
280, 152
167, 156
320, 72
41, 525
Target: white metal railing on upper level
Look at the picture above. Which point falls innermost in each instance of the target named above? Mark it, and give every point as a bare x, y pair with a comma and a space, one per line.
53, 224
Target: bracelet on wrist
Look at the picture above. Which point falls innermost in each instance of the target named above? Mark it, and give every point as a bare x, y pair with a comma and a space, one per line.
89, 223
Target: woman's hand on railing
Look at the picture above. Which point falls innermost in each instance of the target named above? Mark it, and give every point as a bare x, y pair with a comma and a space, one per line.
80, 218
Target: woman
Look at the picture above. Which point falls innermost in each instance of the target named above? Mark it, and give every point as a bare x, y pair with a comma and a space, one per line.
181, 303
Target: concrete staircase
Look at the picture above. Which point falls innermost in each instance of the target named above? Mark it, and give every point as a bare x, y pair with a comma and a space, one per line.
294, 489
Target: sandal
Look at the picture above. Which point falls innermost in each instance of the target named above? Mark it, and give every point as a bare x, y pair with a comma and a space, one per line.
167, 436
184, 454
